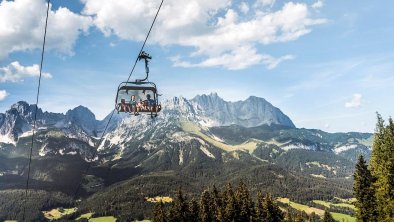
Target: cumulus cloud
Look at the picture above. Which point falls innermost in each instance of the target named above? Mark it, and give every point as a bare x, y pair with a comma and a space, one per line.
244, 7
264, 3
3, 94
355, 102
15, 72
318, 4
22, 27
211, 28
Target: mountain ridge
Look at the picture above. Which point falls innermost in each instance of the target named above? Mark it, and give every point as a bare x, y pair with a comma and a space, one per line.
18, 119
207, 117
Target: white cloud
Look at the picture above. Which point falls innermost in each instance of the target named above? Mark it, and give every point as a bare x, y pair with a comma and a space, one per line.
3, 94
355, 102
318, 4
22, 27
244, 7
177, 19
239, 58
264, 3
15, 72
198, 25
272, 62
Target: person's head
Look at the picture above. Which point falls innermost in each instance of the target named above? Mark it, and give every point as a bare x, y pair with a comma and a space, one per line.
133, 97
148, 96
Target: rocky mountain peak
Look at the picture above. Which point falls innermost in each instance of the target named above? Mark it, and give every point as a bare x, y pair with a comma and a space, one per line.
81, 113
253, 111
210, 99
22, 108
255, 99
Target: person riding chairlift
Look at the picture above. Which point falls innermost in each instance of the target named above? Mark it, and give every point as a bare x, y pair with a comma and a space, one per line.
122, 107
133, 105
150, 103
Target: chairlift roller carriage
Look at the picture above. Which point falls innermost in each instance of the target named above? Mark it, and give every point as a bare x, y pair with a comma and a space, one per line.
140, 96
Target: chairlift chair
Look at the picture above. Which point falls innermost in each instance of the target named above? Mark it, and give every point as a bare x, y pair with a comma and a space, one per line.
134, 96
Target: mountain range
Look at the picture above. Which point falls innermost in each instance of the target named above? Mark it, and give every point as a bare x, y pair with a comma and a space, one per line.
192, 143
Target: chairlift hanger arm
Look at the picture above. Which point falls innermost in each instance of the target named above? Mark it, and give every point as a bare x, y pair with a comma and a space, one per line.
145, 56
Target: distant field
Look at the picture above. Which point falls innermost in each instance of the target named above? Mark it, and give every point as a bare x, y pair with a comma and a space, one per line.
320, 212
97, 219
87, 216
349, 201
103, 219
158, 199
328, 204
343, 217
323, 203
302, 207
57, 213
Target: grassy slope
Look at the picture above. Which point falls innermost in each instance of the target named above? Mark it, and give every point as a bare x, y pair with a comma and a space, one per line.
103, 219
320, 212
97, 219
192, 128
328, 204
55, 214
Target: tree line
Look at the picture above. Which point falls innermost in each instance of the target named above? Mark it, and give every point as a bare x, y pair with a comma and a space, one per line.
374, 182
229, 205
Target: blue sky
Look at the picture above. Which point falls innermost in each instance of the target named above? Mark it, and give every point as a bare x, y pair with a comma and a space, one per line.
326, 64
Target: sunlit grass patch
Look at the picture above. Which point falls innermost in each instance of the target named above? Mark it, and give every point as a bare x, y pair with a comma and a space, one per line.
158, 199
103, 219
301, 207
57, 213
320, 212
329, 204
343, 217
87, 216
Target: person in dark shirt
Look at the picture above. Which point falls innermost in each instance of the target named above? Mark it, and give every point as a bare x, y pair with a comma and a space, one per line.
150, 103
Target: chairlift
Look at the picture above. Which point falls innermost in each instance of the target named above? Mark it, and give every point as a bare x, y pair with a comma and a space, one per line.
139, 96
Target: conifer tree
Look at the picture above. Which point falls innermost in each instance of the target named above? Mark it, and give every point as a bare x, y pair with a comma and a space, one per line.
268, 211
289, 217
328, 217
313, 217
382, 168
231, 211
218, 204
205, 213
364, 193
245, 203
159, 214
299, 218
261, 213
179, 210
193, 211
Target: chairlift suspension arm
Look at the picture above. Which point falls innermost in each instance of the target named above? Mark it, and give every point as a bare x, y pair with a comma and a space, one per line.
145, 56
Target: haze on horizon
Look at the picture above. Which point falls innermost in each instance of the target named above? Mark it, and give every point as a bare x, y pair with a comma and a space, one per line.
325, 64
